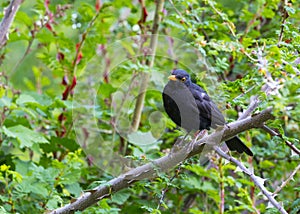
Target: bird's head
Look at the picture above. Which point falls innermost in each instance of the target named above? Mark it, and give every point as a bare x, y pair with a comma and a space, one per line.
180, 76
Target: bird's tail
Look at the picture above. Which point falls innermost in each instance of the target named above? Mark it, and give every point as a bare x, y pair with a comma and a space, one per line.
235, 144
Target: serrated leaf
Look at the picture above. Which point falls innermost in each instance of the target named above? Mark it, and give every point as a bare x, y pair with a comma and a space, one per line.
39, 188
26, 137
25, 98
54, 202
23, 17
70, 144
71, 177
121, 197
74, 189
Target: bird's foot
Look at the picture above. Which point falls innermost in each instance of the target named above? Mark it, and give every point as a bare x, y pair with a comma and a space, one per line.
179, 144
200, 134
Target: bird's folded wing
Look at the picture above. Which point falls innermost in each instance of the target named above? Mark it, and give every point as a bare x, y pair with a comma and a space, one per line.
207, 107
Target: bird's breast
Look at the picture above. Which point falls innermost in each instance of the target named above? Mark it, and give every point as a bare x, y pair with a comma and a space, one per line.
181, 107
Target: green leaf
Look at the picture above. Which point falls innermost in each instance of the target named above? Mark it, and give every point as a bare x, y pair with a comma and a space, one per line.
70, 144
26, 137
54, 202
34, 98
23, 17
24, 99
106, 90
144, 140
267, 164
5, 102
40, 189
71, 177
121, 197
74, 189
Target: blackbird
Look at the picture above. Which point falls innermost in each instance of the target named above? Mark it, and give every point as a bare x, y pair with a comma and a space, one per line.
190, 107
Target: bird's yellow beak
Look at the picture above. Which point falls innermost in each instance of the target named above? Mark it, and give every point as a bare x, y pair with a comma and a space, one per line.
172, 77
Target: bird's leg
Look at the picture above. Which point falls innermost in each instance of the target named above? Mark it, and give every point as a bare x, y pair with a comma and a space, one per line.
179, 143
199, 134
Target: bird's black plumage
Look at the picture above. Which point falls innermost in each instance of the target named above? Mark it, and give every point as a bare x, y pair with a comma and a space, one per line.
190, 107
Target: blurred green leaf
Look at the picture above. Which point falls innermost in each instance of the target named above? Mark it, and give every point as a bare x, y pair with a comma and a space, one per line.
24, 136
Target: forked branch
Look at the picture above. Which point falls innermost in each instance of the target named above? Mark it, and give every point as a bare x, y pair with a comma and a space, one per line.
165, 163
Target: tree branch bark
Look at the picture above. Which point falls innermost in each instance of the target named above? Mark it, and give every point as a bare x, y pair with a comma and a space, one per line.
165, 163
257, 180
288, 143
9, 15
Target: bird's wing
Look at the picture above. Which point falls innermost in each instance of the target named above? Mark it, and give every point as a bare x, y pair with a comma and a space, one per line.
207, 108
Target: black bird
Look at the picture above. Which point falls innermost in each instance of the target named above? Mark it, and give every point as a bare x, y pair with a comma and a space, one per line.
190, 107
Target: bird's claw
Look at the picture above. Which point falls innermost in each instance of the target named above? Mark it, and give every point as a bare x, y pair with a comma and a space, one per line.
179, 144
200, 134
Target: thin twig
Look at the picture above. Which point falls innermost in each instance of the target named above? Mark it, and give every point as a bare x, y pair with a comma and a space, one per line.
83, 38
33, 32
255, 179
165, 190
175, 8
284, 183
285, 15
222, 188
254, 101
252, 21
288, 143
229, 24
243, 94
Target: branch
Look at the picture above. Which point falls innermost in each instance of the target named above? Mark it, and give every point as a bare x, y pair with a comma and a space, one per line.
257, 180
83, 38
254, 101
288, 143
291, 176
9, 15
284, 16
165, 163
221, 187
145, 76
233, 129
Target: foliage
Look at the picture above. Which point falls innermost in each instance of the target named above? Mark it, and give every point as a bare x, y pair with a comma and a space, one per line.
70, 67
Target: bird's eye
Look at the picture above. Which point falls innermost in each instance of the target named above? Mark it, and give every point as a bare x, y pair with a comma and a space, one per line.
183, 79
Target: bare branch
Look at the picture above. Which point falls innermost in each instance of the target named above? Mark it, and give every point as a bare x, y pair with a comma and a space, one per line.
284, 17
83, 38
288, 143
255, 179
7, 20
291, 176
233, 129
165, 163
221, 187
254, 101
